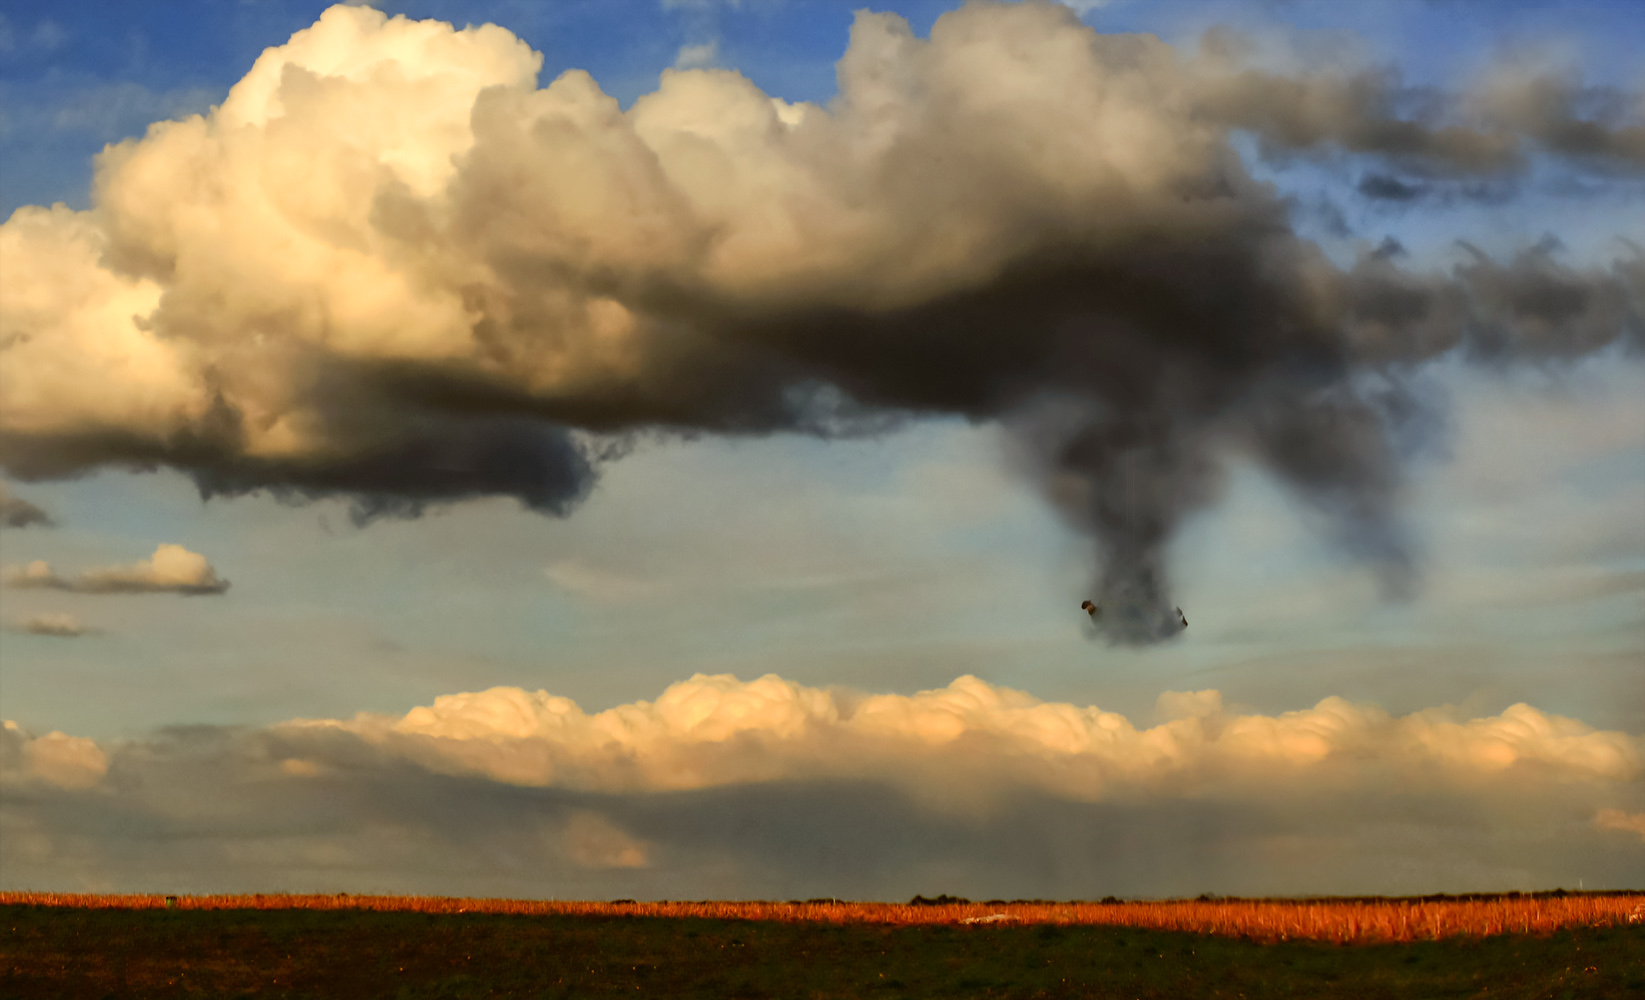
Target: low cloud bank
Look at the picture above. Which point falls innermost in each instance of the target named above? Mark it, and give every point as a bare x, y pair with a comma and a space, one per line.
958, 742
171, 570
393, 267
723, 788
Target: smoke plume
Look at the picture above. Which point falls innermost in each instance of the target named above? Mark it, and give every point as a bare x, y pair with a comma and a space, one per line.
391, 267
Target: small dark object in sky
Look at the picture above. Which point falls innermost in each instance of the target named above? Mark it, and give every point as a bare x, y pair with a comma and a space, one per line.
1091, 609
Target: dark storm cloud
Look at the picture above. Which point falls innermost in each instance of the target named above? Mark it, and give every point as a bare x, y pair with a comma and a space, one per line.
1018, 219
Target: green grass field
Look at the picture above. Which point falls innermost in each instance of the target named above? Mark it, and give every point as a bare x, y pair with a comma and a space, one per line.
86, 953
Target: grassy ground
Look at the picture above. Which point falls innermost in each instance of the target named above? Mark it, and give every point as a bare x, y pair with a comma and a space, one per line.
64, 952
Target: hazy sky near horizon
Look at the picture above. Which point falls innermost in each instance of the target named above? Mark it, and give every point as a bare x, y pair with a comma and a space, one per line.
658, 449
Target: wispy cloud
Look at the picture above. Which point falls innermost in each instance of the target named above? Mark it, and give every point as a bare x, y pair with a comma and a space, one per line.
1084, 7
117, 109
699, 56
581, 577
172, 569
46, 36
15, 512
61, 625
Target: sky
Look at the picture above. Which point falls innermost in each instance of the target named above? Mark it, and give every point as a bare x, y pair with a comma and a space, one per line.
659, 449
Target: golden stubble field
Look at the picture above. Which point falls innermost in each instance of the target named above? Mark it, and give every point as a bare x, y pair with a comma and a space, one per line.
1340, 921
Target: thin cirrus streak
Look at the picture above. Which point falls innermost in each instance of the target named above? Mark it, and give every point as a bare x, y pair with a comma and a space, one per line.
391, 267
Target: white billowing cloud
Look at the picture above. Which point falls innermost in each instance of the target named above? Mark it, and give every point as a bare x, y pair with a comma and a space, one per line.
1620, 821
54, 759
970, 736
353, 108
59, 624
172, 569
77, 351
393, 191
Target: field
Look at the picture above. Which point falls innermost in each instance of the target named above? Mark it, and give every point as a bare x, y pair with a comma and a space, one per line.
1544, 945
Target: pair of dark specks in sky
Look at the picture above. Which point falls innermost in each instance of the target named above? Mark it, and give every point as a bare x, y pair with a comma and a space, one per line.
1090, 608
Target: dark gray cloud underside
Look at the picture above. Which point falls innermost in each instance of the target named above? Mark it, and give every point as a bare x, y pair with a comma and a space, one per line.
1154, 358
424, 462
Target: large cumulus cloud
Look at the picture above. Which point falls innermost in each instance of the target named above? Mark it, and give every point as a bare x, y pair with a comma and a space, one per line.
390, 266
764, 788
717, 730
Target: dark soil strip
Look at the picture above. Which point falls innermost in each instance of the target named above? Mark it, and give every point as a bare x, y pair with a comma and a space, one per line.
62, 952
